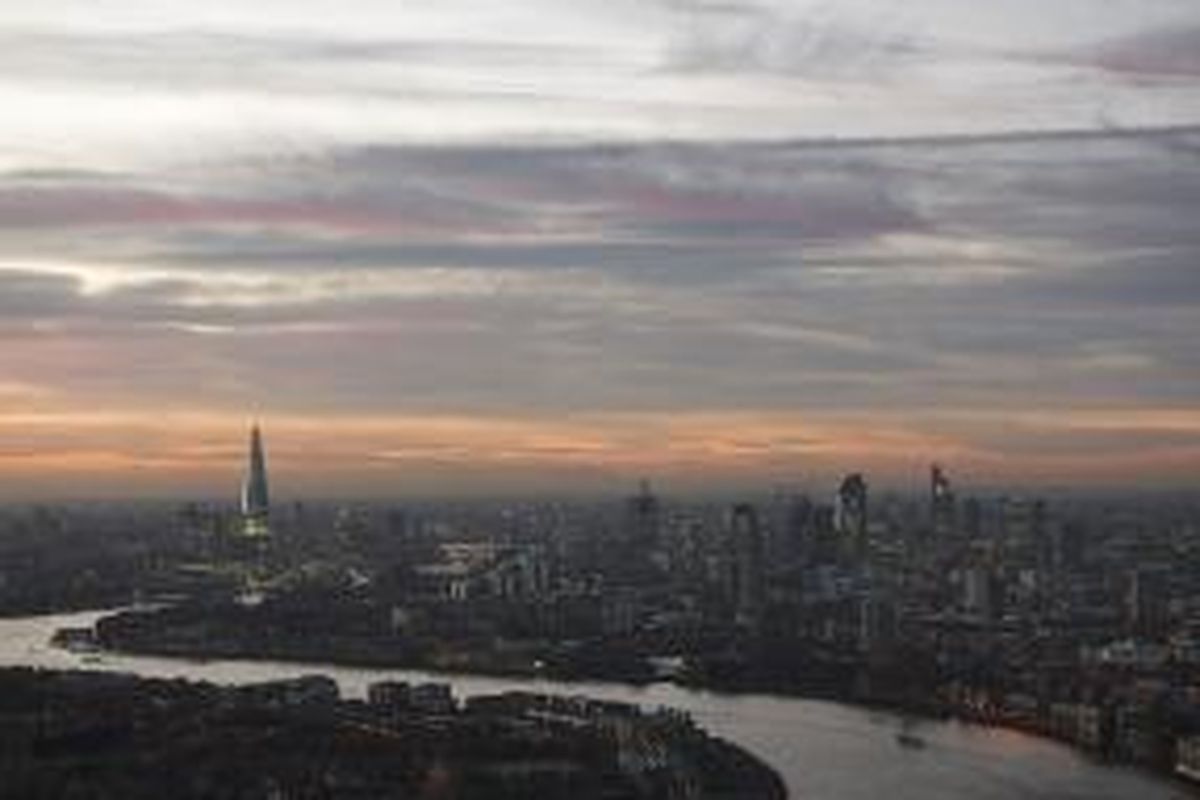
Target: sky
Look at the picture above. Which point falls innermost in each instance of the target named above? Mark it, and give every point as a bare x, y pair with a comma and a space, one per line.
468, 247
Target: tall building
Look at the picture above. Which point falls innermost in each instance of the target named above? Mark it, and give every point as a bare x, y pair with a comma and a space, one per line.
256, 500
941, 503
1147, 601
1023, 525
639, 556
850, 515
793, 532
972, 518
643, 518
747, 568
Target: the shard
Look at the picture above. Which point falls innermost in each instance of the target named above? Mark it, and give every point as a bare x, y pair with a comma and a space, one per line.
256, 501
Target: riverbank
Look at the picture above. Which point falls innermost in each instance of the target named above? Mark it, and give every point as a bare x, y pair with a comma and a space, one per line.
818, 747
121, 736
170, 633
320, 654
263, 634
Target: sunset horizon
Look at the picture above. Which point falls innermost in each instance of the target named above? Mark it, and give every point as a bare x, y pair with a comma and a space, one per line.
568, 245
183, 456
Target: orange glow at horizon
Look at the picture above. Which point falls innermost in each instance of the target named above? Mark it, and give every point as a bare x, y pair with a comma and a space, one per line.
72, 453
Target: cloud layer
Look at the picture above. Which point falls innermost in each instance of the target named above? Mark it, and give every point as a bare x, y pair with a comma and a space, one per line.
736, 241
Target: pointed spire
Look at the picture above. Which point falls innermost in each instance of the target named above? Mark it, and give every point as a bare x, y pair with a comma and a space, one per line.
256, 499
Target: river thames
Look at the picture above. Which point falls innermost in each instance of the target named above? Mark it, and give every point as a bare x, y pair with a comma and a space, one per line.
823, 750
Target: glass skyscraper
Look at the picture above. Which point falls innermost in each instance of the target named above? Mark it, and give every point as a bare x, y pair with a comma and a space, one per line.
256, 500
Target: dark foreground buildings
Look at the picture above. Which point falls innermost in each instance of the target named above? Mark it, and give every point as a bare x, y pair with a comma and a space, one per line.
101, 736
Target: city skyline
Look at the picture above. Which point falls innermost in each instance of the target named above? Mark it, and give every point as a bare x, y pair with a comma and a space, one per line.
459, 250
433, 477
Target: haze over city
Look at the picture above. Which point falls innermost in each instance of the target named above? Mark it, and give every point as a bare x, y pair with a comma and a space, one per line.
465, 248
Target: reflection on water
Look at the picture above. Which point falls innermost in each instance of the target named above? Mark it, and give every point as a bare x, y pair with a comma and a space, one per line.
825, 751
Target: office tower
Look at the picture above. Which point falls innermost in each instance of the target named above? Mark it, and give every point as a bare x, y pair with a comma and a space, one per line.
640, 556
643, 518
256, 502
1023, 524
797, 532
1147, 601
972, 522
979, 592
747, 588
850, 516
941, 504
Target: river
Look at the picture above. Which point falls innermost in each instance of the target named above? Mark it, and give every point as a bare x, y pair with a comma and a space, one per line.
823, 750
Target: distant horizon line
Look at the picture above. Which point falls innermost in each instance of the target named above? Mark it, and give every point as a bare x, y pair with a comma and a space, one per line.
729, 494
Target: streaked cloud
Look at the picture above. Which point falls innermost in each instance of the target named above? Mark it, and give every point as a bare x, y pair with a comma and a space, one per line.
733, 240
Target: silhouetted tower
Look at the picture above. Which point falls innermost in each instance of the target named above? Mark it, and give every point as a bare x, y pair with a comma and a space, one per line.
1147, 602
1024, 526
941, 504
747, 568
799, 531
850, 515
633, 557
972, 518
256, 500
643, 518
